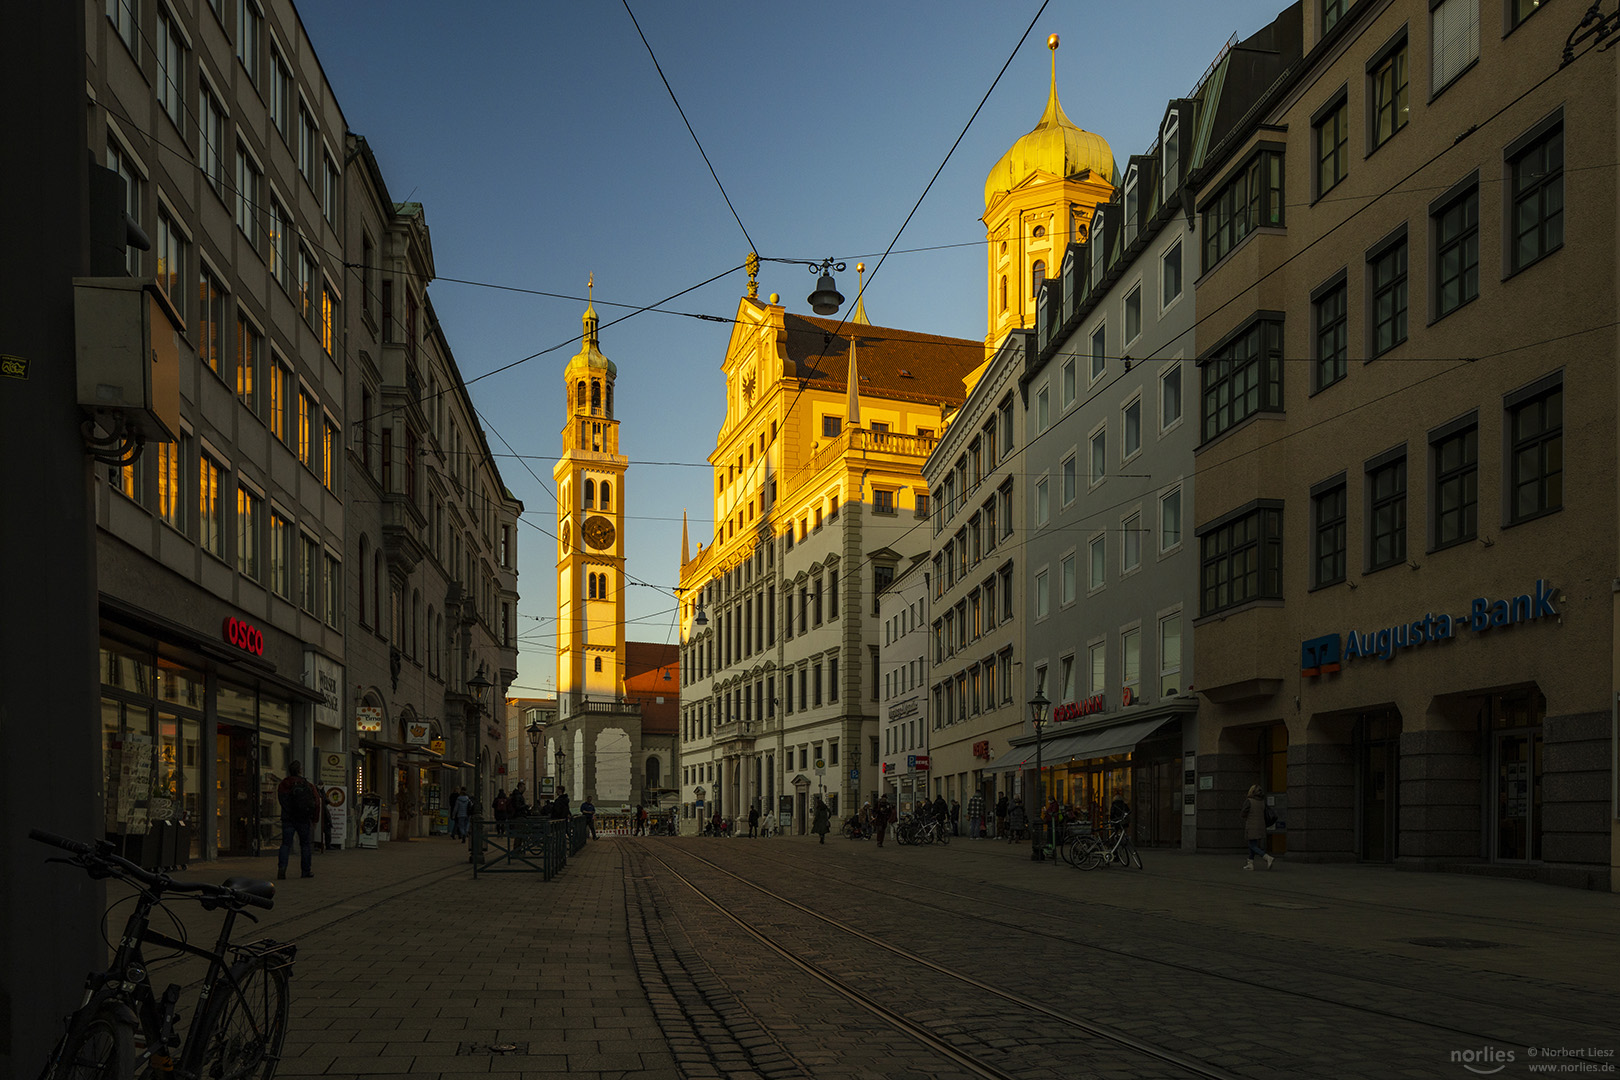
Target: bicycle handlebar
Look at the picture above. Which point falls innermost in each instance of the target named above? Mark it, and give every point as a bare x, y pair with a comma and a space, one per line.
100, 857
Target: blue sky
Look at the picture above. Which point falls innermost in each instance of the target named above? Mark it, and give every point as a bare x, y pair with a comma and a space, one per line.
545, 147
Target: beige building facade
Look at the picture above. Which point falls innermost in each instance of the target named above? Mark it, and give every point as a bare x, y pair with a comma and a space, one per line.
1406, 495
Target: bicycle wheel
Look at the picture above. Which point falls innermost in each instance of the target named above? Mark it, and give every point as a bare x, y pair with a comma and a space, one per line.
944, 834
1091, 853
99, 1045
245, 1023
1135, 856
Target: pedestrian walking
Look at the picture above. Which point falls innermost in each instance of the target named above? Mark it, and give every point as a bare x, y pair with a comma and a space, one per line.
976, 816
1254, 827
1001, 815
753, 821
460, 815
503, 809
956, 817
822, 821
880, 818
641, 820
517, 804
1017, 823
940, 812
300, 808
588, 810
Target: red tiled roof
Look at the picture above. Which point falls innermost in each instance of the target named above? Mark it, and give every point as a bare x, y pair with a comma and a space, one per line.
892, 363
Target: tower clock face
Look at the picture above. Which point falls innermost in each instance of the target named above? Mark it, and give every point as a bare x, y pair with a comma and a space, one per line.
598, 531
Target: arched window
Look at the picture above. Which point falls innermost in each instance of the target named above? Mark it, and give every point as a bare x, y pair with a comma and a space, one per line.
607, 495
1037, 275
590, 494
376, 590
1003, 292
416, 623
654, 772
579, 395
590, 582
610, 400
365, 562
598, 663
601, 586
596, 396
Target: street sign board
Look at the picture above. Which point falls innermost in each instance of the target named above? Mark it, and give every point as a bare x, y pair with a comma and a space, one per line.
854, 774
921, 762
821, 764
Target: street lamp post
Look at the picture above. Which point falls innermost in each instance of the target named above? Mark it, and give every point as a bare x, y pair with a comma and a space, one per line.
1038, 711
478, 686
535, 729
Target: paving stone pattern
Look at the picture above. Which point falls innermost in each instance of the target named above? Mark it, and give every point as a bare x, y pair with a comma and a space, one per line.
409, 967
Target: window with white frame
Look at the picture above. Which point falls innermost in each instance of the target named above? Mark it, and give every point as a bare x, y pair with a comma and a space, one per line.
1097, 662
211, 138
1066, 678
249, 29
1170, 655
1099, 455
1170, 142
1066, 578
1099, 352
1131, 422
249, 195
1133, 202
1130, 656
1043, 600
1042, 415
1131, 544
1069, 468
1097, 555
1170, 275
1170, 395
1133, 314
1068, 382
1170, 519
1043, 508
171, 260
120, 162
248, 503
281, 90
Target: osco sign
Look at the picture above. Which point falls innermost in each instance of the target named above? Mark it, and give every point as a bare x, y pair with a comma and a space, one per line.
244, 636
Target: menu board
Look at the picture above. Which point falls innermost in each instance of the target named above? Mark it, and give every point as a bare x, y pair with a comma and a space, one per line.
129, 782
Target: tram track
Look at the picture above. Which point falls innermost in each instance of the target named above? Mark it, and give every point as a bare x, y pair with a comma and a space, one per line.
944, 1039
1057, 930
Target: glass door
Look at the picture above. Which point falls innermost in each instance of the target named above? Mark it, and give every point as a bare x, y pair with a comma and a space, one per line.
1378, 751
1518, 796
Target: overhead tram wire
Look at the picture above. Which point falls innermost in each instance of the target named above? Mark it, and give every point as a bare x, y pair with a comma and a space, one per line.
660, 68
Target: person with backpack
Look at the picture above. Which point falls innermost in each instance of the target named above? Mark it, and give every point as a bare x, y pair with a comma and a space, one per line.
502, 809
300, 808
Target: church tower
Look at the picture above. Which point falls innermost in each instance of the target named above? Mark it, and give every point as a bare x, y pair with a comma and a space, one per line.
590, 530
1038, 199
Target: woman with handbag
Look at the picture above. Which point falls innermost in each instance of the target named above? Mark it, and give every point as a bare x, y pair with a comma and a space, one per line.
1254, 827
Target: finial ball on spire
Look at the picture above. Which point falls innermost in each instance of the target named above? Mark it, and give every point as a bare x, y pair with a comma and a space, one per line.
1052, 42
860, 268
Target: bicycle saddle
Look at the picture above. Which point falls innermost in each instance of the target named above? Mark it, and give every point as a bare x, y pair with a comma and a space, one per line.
264, 890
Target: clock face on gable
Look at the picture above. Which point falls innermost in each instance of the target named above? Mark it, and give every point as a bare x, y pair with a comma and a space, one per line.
597, 531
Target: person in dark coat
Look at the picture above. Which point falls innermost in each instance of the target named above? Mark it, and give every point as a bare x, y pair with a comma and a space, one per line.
956, 817
1001, 815
939, 811
559, 806
300, 808
880, 817
1254, 827
822, 820
753, 821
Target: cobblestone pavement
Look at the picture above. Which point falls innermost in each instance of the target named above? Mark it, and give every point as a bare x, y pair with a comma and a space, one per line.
616, 969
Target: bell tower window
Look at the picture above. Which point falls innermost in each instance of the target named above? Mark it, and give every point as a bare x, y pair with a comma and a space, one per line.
598, 663
590, 494
580, 395
607, 495
596, 396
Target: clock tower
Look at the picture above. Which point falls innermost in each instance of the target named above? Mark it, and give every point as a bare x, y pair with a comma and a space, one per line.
590, 531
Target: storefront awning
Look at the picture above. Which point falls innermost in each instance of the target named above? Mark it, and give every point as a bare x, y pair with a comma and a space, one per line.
1119, 739
1019, 757
1102, 742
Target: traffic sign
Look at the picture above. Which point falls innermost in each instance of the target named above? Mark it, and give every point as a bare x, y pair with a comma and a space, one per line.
854, 774
821, 765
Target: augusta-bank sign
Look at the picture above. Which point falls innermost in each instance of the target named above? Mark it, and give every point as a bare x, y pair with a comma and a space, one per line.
1328, 653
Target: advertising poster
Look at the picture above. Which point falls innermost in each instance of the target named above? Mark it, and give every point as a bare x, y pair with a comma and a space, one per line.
370, 818
337, 808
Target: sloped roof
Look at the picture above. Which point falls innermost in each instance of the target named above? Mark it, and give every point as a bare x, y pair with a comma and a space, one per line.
892, 363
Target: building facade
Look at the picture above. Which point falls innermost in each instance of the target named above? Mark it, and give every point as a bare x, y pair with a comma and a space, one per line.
1109, 567
319, 561
977, 584
1406, 462
818, 495
904, 763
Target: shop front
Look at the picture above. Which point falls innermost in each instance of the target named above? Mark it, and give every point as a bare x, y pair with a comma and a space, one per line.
168, 696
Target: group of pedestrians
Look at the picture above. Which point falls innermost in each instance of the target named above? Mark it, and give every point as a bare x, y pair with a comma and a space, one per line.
509, 808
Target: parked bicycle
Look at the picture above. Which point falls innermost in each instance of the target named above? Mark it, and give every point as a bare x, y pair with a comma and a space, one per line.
122, 1027
911, 829
856, 829
1091, 851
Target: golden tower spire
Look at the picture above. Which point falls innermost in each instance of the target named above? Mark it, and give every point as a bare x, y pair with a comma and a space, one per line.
859, 314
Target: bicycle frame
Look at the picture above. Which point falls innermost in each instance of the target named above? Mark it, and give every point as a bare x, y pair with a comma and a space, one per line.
128, 977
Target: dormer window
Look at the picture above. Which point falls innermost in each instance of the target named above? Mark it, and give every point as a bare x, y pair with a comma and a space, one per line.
1172, 154
1132, 200
1096, 245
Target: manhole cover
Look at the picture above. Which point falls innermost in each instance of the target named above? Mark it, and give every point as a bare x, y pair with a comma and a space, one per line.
494, 1049
1455, 943
1289, 906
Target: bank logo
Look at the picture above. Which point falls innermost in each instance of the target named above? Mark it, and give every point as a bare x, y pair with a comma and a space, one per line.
1319, 656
